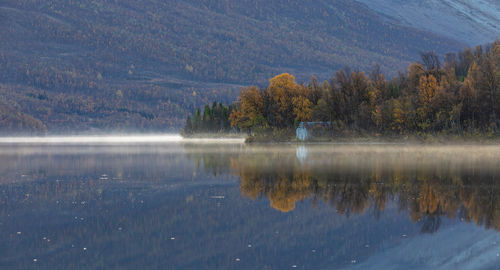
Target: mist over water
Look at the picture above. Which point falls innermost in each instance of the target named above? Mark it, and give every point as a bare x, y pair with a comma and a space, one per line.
112, 139
164, 202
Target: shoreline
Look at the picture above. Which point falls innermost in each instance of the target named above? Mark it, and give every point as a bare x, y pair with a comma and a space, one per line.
362, 140
248, 140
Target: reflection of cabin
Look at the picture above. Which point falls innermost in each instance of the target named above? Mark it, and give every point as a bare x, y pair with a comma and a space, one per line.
305, 130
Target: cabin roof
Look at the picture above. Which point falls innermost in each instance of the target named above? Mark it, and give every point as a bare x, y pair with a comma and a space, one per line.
314, 124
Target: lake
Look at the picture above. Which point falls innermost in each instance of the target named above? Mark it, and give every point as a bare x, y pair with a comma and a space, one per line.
195, 204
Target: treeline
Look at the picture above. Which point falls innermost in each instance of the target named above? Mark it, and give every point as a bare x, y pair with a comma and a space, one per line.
214, 119
459, 96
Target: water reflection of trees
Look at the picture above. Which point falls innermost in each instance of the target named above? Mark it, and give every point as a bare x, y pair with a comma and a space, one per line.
213, 159
424, 187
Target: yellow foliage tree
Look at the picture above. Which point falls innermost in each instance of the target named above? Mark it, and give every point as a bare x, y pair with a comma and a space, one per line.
398, 115
250, 110
427, 89
415, 71
290, 98
302, 108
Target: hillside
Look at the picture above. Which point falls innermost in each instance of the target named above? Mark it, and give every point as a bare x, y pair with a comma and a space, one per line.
143, 65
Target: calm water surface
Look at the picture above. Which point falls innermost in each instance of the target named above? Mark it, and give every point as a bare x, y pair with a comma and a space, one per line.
181, 205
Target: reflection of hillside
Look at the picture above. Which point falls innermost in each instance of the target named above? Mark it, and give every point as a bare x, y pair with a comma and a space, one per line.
211, 158
426, 185
137, 163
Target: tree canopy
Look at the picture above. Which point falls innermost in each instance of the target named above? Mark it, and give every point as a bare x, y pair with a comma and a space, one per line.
459, 96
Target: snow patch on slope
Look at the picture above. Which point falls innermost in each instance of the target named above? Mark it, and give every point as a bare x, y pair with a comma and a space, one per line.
469, 21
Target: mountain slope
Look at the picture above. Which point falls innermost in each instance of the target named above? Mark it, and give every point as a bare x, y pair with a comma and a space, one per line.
146, 64
469, 21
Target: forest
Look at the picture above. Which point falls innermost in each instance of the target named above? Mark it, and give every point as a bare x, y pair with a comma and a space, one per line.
458, 94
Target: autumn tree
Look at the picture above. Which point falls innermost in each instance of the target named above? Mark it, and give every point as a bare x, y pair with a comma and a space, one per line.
302, 108
468, 100
290, 99
415, 71
489, 85
249, 113
427, 88
350, 89
431, 63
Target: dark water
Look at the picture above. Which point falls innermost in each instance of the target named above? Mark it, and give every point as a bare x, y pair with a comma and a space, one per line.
230, 206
